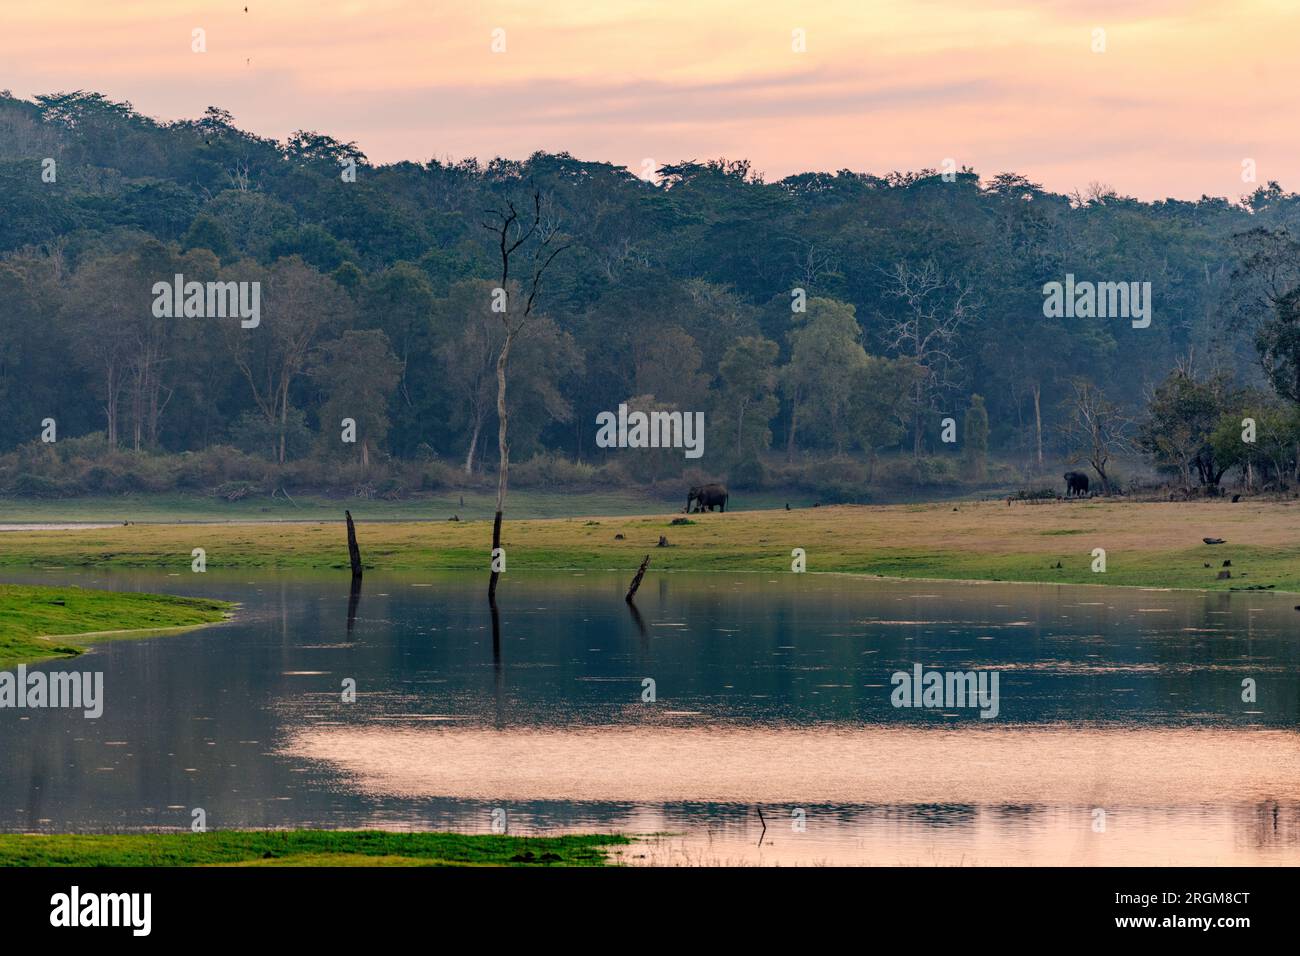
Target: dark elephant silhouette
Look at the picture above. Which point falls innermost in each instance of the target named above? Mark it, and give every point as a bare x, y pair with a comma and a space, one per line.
1076, 483
707, 497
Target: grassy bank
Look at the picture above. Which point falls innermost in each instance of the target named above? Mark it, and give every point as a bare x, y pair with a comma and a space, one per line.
302, 848
1154, 544
468, 504
37, 623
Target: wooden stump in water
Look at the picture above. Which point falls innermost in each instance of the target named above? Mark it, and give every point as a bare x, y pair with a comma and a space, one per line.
354, 552
496, 544
636, 581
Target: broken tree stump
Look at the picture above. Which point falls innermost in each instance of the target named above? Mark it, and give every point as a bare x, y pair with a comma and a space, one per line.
636, 581
354, 552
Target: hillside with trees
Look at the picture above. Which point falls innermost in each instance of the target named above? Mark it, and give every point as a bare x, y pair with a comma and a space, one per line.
826, 324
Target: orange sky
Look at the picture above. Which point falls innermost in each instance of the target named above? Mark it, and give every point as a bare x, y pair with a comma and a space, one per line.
1183, 93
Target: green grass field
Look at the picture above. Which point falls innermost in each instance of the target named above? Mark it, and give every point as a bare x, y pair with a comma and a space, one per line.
1149, 544
437, 506
38, 623
303, 848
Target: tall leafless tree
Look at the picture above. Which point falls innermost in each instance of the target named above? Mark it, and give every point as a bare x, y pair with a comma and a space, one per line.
301, 306
1094, 429
935, 307
538, 243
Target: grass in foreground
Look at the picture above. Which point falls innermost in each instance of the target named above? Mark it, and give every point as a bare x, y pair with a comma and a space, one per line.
303, 848
37, 623
1149, 544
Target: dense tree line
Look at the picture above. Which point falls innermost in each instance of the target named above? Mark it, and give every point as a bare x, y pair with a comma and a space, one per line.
828, 316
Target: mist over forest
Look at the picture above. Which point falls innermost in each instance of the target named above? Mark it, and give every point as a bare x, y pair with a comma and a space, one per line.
826, 324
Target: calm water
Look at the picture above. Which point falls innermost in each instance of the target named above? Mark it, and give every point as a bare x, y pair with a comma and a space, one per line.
1122, 736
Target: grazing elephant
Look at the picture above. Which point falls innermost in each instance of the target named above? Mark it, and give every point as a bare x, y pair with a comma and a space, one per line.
1076, 483
707, 496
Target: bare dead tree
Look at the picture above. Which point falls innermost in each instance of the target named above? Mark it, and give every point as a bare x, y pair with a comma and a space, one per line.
636, 581
1094, 429
811, 261
539, 239
239, 175
354, 552
935, 307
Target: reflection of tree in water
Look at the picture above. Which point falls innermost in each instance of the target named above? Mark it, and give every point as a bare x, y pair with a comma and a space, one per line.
354, 598
640, 625
497, 674
937, 814
36, 791
1275, 824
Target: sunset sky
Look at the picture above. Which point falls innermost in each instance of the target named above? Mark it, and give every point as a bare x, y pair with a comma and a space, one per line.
1183, 93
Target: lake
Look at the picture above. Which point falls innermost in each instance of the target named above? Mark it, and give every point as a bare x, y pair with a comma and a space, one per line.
1121, 735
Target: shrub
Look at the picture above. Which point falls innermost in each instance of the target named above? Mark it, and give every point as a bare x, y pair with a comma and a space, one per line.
435, 475
935, 470
235, 490
38, 486
548, 470
748, 474
212, 466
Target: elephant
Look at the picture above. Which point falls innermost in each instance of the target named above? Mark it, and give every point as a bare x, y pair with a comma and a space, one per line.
1076, 483
707, 496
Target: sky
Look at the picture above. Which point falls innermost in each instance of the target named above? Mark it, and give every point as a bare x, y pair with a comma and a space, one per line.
1181, 96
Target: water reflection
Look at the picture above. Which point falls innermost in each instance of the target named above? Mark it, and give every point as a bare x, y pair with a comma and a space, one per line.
354, 600
772, 694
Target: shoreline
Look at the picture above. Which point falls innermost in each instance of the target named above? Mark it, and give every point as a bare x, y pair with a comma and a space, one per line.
306, 847
1147, 544
32, 613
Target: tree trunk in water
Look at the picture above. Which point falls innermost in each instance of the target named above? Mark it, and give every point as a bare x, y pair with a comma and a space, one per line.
354, 552
503, 449
636, 581
496, 543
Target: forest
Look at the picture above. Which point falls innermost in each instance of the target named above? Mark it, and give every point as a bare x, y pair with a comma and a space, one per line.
841, 332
